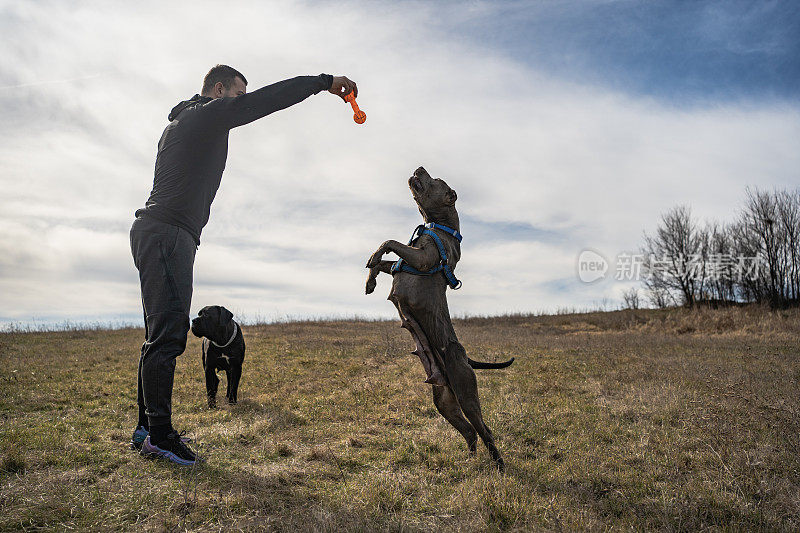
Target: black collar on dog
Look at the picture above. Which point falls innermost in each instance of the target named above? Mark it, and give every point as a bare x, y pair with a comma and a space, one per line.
235, 331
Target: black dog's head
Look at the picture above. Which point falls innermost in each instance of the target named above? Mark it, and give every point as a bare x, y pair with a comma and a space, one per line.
215, 323
434, 197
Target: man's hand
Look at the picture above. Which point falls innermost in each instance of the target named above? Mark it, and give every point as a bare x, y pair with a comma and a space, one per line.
342, 86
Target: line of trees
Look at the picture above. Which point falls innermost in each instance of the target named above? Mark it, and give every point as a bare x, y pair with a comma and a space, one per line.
755, 258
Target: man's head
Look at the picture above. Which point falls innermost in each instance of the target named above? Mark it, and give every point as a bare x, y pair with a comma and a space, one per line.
223, 81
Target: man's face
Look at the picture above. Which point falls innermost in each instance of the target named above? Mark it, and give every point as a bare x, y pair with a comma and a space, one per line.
237, 88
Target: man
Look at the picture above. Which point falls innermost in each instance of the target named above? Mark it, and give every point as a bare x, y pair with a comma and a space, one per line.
166, 233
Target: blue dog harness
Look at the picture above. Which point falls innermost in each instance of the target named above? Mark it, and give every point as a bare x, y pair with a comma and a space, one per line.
425, 229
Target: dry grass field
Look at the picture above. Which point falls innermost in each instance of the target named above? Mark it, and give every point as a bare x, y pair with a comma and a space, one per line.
665, 420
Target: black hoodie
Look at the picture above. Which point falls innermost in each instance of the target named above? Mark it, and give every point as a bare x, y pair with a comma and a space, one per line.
194, 146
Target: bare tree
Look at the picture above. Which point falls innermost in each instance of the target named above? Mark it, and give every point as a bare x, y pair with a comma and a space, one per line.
760, 216
771, 224
675, 257
751, 283
721, 265
788, 210
630, 298
658, 295
756, 258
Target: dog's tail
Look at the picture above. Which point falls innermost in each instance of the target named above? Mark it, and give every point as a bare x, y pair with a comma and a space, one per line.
481, 364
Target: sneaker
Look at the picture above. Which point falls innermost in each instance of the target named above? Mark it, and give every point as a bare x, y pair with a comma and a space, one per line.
141, 433
172, 449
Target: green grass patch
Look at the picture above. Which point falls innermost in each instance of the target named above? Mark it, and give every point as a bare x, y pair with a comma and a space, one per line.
670, 420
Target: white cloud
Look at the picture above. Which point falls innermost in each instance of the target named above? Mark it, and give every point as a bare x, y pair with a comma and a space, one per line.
307, 194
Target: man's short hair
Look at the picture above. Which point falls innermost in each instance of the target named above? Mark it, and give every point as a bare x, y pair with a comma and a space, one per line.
221, 73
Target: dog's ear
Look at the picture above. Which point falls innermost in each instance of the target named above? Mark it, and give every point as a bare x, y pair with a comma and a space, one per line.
450, 197
225, 316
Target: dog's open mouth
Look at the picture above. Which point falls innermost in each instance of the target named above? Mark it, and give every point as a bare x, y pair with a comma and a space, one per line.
416, 184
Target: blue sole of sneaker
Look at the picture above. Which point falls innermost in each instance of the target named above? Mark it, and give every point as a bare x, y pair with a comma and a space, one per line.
167, 455
136, 444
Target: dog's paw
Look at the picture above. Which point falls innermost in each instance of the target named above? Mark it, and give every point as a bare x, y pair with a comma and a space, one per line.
371, 284
212, 403
375, 259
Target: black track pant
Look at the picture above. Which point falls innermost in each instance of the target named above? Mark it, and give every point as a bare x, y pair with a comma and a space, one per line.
164, 255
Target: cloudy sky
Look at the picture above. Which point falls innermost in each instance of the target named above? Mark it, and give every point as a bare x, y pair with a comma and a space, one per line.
563, 125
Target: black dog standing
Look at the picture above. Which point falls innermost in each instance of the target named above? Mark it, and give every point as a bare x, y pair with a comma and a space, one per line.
223, 349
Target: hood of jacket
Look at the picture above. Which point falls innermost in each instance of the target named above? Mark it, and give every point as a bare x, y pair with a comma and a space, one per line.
194, 100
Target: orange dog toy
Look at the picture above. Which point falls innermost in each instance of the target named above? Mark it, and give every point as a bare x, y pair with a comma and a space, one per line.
359, 116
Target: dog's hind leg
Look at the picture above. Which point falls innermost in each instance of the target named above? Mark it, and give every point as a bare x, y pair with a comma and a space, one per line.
465, 386
447, 405
423, 348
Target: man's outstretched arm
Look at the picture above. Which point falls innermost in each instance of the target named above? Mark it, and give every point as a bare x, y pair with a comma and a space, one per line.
243, 109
